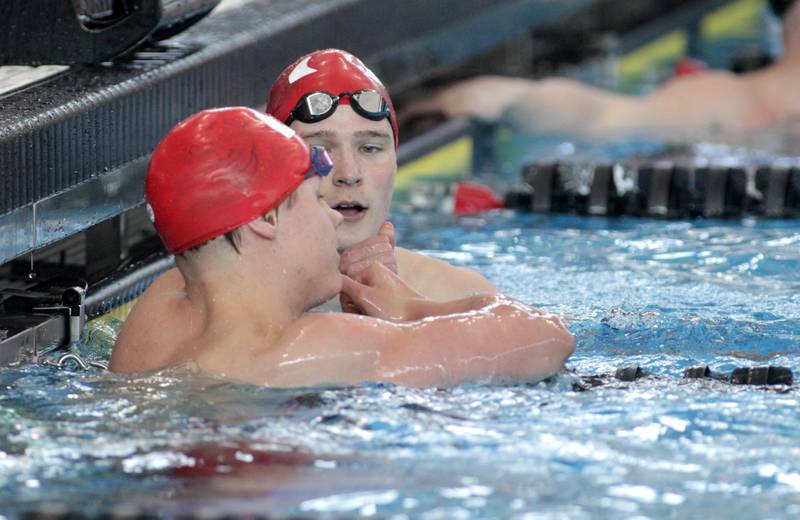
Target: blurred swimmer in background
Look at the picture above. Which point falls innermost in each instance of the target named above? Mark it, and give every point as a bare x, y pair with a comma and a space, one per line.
760, 109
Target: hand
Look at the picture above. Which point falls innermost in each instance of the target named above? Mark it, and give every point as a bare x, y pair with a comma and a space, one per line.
484, 98
379, 248
379, 293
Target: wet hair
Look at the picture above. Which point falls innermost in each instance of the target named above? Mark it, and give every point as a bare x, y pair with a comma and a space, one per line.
234, 237
779, 7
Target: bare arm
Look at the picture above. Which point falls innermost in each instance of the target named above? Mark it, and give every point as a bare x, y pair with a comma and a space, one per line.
550, 105
428, 343
697, 107
380, 293
502, 341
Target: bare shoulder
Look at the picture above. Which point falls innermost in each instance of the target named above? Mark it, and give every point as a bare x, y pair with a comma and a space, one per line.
439, 280
158, 322
172, 279
334, 329
324, 348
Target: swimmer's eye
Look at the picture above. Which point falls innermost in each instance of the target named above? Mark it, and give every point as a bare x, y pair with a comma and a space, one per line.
371, 149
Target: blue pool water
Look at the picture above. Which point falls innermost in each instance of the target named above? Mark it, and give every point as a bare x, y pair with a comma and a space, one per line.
661, 295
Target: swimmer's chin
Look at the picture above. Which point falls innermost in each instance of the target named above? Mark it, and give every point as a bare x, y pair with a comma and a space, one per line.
328, 302
350, 234
331, 294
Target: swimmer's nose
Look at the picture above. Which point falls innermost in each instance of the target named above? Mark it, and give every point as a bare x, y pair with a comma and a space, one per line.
346, 171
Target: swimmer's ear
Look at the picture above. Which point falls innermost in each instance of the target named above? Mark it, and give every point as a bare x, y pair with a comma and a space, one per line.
266, 226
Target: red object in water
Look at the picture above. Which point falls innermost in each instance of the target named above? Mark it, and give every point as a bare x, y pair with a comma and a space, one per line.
208, 460
689, 66
471, 197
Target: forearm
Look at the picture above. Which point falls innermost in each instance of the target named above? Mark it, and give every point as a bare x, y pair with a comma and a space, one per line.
559, 105
501, 342
420, 308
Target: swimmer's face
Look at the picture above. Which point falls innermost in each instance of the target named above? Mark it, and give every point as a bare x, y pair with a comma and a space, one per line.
310, 225
364, 166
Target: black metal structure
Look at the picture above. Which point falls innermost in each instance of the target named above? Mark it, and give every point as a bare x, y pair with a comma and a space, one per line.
88, 31
72, 148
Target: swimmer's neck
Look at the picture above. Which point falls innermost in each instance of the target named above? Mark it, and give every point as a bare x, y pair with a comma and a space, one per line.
232, 297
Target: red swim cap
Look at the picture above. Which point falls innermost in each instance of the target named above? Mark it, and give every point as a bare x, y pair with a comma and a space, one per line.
330, 70
219, 169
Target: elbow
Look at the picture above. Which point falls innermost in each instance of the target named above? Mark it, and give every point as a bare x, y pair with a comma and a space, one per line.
558, 346
564, 340
568, 346
546, 355
561, 347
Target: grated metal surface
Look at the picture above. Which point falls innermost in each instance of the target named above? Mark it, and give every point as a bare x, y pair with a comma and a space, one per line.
90, 120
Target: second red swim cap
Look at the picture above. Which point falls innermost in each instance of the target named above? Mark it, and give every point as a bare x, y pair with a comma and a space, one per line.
220, 169
330, 70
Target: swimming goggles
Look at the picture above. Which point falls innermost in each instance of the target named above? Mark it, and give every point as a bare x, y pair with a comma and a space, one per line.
319, 105
321, 162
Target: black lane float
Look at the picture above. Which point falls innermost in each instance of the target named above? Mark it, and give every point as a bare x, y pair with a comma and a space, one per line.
661, 189
769, 376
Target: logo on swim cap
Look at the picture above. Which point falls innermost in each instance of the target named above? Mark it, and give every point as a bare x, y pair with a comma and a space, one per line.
301, 70
218, 170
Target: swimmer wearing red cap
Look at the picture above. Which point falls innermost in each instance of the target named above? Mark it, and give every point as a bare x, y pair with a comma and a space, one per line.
236, 195
333, 100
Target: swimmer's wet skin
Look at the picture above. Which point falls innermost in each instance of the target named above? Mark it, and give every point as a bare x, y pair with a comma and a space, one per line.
235, 195
489, 338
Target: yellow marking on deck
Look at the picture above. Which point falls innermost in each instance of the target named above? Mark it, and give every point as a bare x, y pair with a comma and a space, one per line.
734, 18
665, 48
451, 160
118, 313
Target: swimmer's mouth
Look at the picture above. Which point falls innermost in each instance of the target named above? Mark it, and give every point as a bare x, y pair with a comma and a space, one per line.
351, 210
